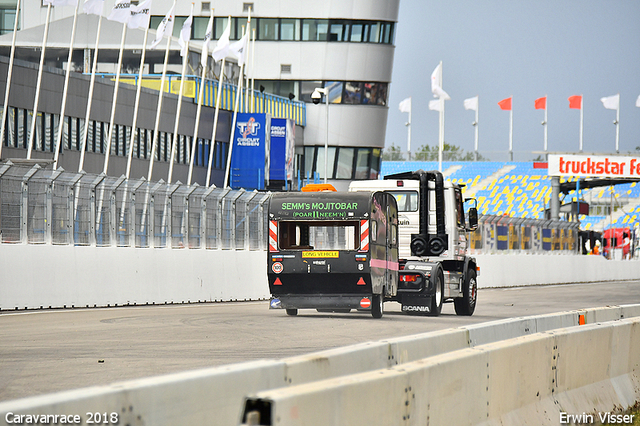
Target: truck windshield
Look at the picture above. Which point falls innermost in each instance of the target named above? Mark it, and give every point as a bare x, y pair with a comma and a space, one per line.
407, 200
318, 235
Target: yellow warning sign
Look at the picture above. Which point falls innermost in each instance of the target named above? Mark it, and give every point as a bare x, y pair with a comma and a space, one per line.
320, 254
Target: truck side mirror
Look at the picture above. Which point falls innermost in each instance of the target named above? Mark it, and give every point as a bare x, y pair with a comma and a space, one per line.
473, 219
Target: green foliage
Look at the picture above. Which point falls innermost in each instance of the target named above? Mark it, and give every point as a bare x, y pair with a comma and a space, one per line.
393, 153
450, 153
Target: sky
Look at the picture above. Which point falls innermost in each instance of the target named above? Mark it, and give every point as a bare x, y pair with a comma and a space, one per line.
526, 49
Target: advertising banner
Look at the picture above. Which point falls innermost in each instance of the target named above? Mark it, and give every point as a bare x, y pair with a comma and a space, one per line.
282, 149
250, 156
594, 165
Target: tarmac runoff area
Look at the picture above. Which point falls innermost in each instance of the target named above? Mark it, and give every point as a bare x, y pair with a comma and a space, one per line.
53, 350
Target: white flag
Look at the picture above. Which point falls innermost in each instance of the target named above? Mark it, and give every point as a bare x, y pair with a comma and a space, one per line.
638, 102
185, 34
435, 84
405, 105
238, 49
436, 104
93, 7
60, 2
611, 102
165, 28
140, 15
207, 40
121, 11
471, 103
222, 47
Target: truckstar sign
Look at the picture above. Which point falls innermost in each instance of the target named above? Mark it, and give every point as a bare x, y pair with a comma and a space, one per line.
594, 165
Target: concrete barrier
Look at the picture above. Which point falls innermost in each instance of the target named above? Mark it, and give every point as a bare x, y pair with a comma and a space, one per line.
533, 379
216, 395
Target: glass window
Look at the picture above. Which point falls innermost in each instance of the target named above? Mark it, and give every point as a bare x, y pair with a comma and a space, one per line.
352, 93
407, 200
375, 93
357, 30
220, 24
290, 29
199, 27
315, 29
309, 157
376, 156
338, 30
307, 88
267, 29
345, 163
362, 163
335, 91
374, 32
320, 161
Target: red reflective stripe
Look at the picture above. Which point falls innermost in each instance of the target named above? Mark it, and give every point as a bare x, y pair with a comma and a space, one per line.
273, 235
364, 235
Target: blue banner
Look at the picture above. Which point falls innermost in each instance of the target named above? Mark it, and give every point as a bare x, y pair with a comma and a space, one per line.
546, 239
250, 156
282, 149
503, 237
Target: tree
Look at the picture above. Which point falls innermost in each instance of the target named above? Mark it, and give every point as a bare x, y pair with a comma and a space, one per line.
393, 153
450, 153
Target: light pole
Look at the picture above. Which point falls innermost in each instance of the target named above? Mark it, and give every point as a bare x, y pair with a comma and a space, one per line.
316, 97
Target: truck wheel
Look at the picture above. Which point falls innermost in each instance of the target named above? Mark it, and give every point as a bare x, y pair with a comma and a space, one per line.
438, 296
466, 304
292, 312
376, 306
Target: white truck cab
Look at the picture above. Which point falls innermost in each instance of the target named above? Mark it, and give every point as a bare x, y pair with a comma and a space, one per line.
433, 242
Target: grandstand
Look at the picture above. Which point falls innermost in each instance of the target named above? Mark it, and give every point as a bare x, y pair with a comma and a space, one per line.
523, 189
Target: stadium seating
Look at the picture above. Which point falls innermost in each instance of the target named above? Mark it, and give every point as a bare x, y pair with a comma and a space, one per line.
518, 189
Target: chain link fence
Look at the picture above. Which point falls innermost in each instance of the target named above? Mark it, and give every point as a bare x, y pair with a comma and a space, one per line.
42, 206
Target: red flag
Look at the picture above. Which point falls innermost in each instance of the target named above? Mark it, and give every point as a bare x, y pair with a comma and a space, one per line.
505, 104
575, 102
541, 103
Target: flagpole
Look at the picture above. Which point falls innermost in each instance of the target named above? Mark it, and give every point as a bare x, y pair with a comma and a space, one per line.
115, 99
441, 130
253, 54
476, 125
581, 119
134, 125
215, 119
10, 72
179, 107
511, 134
40, 67
156, 135
194, 143
546, 123
94, 67
408, 135
233, 124
246, 92
618, 125
65, 91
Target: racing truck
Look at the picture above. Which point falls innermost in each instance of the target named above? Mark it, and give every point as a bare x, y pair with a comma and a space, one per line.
332, 251
434, 265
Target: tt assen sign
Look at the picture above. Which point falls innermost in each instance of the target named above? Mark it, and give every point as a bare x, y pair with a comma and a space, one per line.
594, 165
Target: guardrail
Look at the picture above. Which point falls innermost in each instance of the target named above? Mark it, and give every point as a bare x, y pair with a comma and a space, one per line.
482, 374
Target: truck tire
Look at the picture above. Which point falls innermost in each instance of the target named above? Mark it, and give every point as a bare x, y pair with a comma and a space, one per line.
466, 304
292, 312
438, 296
377, 306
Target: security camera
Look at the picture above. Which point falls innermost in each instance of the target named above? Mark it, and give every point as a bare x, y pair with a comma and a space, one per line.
316, 97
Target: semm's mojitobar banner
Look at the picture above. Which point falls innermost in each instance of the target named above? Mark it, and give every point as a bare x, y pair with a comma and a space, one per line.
594, 165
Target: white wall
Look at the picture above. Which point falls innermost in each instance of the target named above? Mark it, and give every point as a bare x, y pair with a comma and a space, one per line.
34, 276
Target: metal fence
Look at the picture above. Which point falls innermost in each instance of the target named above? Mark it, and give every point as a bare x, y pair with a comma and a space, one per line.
504, 234
44, 206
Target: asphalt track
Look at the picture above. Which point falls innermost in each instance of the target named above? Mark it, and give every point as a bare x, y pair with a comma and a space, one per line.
53, 350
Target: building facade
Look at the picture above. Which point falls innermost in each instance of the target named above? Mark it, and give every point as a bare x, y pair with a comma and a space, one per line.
344, 45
